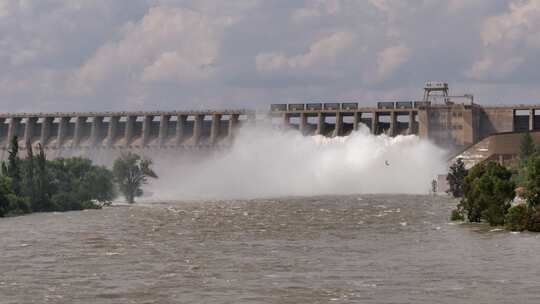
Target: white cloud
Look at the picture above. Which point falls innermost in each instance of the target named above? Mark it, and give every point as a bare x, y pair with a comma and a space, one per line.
389, 60
323, 52
316, 9
175, 45
102, 54
510, 40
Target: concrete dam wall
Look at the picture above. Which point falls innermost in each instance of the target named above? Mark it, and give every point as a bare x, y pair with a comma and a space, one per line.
91, 134
102, 136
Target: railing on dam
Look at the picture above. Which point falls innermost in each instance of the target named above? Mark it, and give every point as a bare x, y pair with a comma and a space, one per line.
122, 129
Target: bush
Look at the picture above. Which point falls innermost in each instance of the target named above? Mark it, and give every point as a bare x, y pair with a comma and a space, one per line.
488, 191
517, 218
18, 205
456, 215
533, 223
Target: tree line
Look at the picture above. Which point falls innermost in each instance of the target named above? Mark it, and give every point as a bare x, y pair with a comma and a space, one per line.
487, 191
36, 184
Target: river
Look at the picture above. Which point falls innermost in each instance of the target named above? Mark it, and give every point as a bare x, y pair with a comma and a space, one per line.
325, 249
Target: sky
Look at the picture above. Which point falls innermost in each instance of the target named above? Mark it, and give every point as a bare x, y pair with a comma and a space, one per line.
101, 55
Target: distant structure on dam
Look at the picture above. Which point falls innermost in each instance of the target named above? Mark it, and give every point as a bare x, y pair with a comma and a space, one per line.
455, 122
468, 130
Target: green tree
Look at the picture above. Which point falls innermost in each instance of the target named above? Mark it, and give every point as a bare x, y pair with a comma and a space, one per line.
456, 177
131, 172
5, 190
13, 166
11, 204
526, 148
517, 218
29, 188
532, 181
76, 184
488, 191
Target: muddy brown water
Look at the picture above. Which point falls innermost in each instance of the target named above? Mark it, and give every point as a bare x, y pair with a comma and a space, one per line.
333, 249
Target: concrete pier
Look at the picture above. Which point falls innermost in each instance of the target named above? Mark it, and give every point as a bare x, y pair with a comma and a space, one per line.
29, 129
233, 124
13, 128
180, 123
197, 129
130, 124
112, 132
146, 129
95, 130
356, 120
46, 125
63, 126
320, 124
79, 129
215, 128
163, 128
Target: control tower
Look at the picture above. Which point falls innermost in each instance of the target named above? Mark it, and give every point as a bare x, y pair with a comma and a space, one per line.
436, 86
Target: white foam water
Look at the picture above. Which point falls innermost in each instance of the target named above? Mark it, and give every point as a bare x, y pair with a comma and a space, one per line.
269, 163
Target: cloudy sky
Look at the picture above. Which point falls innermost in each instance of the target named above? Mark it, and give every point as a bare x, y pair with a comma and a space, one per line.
67, 55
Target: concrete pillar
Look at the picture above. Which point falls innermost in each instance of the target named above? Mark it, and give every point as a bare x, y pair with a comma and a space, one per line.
2, 126
320, 124
410, 131
146, 129
531, 119
29, 129
303, 123
95, 131
14, 124
214, 131
130, 124
163, 128
374, 122
62, 131
392, 131
112, 132
339, 124
286, 120
78, 133
197, 129
423, 123
356, 120
180, 126
233, 123
46, 130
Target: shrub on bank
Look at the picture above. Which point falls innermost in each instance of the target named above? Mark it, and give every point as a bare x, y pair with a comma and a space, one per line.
456, 215
533, 223
517, 218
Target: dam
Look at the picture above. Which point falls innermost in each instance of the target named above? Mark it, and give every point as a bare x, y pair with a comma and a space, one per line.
455, 123
85, 132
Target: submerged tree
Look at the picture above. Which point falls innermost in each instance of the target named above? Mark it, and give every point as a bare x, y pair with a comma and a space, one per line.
131, 171
455, 178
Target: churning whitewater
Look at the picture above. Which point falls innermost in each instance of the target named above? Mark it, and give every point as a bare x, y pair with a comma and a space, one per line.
268, 163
